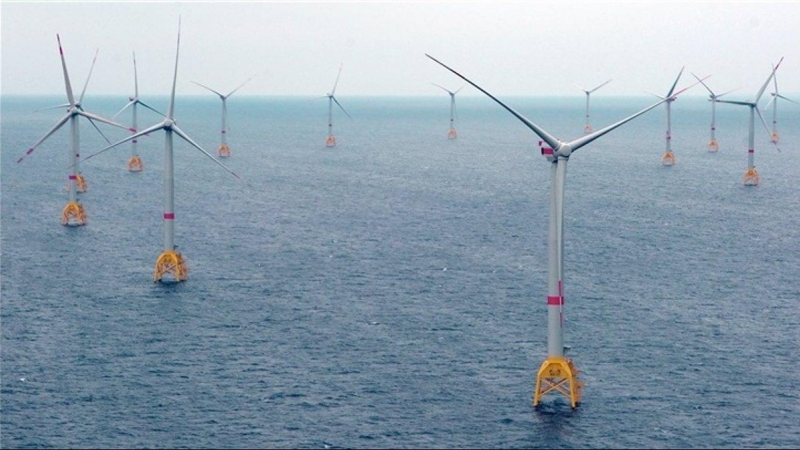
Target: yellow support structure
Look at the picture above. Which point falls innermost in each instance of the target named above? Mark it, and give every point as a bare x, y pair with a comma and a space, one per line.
73, 214
751, 177
775, 137
668, 159
558, 374
80, 182
224, 151
330, 142
170, 262
452, 134
713, 146
135, 164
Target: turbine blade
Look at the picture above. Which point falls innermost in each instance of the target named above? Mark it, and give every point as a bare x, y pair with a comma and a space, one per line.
129, 138
80, 100
655, 95
551, 141
580, 142
580, 87
598, 87
333, 91
186, 138
65, 105
445, 89
240, 86
764, 86
669, 94
769, 103
89, 115
208, 88
787, 99
49, 133
98, 130
135, 78
150, 108
688, 87
171, 110
734, 102
726, 93
128, 105
340, 106
70, 97
705, 85
462, 87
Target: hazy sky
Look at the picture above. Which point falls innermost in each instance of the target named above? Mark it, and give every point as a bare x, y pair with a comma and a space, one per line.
296, 48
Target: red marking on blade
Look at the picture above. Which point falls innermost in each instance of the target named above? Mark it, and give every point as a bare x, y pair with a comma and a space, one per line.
555, 300
132, 130
169, 216
30, 150
20, 159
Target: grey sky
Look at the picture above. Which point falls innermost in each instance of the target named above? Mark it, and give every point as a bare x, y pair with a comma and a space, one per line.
510, 48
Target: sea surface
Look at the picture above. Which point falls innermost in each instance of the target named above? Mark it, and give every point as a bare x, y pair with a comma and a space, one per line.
390, 292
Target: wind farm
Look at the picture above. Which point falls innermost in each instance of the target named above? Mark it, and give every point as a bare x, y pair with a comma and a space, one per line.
170, 262
74, 212
774, 102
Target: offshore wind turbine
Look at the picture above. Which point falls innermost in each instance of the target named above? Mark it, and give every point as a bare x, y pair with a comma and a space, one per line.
557, 374
331, 140
774, 100
135, 162
451, 134
224, 150
169, 262
751, 177
74, 212
588, 127
668, 158
713, 145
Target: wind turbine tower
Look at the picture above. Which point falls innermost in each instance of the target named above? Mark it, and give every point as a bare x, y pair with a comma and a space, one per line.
451, 134
557, 374
224, 151
774, 100
74, 212
668, 158
751, 177
588, 127
170, 262
713, 145
135, 162
330, 141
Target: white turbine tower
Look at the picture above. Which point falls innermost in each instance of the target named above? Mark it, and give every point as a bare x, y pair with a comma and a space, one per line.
774, 100
713, 145
668, 158
135, 162
751, 177
224, 151
451, 134
73, 213
331, 140
588, 127
557, 374
169, 262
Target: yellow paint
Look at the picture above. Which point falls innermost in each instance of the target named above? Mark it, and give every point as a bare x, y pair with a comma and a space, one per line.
668, 159
452, 134
171, 262
135, 164
224, 151
73, 214
751, 177
80, 182
713, 146
559, 375
330, 142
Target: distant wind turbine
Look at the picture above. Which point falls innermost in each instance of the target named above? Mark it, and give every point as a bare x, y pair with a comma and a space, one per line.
451, 134
751, 177
224, 151
135, 162
774, 100
668, 158
169, 262
713, 145
588, 127
331, 140
557, 374
73, 213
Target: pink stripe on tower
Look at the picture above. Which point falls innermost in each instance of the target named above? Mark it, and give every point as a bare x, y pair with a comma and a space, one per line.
169, 216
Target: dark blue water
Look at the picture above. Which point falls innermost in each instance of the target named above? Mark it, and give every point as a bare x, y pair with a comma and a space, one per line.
390, 292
